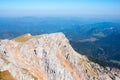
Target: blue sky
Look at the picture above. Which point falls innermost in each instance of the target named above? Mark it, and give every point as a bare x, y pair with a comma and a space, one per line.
93, 8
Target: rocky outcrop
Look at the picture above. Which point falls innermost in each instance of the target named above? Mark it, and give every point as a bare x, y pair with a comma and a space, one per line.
48, 57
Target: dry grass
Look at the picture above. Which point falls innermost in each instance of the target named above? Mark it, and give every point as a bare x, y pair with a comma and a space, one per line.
5, 75
92, 72
23, 38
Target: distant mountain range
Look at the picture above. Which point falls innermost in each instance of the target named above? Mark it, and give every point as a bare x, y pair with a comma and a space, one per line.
97, 39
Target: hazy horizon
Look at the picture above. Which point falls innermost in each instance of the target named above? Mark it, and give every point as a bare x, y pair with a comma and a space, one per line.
37, 8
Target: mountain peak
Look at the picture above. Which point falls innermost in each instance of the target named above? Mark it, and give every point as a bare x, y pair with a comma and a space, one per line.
48, 57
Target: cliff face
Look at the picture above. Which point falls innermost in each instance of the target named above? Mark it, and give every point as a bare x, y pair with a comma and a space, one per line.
48, 57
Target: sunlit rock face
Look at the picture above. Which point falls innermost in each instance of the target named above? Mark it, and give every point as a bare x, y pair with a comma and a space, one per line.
48, 57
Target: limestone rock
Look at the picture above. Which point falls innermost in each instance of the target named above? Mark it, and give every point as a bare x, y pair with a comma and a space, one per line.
48, 57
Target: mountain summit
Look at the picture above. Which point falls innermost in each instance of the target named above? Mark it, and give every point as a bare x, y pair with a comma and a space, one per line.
48, 57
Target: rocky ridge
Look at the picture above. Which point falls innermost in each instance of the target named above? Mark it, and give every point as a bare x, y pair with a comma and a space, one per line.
48, 57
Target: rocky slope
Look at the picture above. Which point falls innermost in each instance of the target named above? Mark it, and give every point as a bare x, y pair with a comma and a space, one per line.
48, 57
